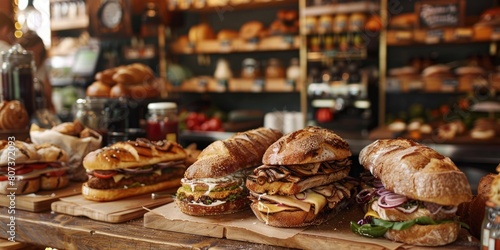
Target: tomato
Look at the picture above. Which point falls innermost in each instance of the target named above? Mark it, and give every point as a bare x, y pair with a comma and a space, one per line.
104, 174
3, 177
191, 124
56, 173
38, 165
23, 170
201, 118
324, 115
214, 124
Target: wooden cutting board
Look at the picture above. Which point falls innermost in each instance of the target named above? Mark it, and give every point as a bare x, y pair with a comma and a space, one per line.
41, 201
244, 226
111, 211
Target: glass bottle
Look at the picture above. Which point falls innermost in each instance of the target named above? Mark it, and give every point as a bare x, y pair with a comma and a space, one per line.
162, 121
489, 217
494, 223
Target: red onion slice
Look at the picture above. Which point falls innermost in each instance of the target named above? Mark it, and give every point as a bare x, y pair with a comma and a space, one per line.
391, 200
449, 209
408, 210
364, 195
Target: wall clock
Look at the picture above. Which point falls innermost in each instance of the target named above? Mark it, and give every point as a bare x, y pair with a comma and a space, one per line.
110, 18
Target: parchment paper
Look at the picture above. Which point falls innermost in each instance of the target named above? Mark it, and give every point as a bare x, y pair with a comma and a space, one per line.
76, 148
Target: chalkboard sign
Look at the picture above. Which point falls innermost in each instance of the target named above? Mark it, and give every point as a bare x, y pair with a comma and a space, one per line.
440, 13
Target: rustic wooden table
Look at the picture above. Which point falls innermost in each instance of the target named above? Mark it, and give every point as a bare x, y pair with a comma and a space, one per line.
61, 231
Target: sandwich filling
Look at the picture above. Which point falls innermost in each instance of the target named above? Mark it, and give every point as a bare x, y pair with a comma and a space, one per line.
386, 210
135, 177
214, 191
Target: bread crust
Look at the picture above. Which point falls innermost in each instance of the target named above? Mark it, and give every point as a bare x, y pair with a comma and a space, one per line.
22, 186
224, 208
290, 188
51, 153
22, 151
53, 182
116, 194
242, 150
416, 171
132, 154
296, 218
426, 235
309, 145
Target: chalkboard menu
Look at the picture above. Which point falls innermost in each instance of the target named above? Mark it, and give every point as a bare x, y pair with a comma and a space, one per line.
440, 13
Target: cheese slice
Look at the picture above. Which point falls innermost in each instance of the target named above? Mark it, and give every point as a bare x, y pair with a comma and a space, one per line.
312, 198
118, 177
272, 208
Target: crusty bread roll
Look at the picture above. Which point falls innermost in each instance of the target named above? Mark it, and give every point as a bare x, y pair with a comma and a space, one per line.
200, 32
53, 182
428, 235
215, 182
133, 154
69, 128
296, 218
227, 34
21, 186
106, 76
119, 90
51, 153
310, 145
416, 171
251, 29
22, 151
98, 89
223, 157
13, 115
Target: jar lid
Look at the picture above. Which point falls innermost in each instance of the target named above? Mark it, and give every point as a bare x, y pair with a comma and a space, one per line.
162, 105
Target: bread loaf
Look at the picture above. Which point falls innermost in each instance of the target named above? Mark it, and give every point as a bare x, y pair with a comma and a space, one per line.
310, 145
416, 171
13, 115
132, 154
242, 150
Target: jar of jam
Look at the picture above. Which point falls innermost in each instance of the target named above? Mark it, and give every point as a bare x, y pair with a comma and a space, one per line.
162, 121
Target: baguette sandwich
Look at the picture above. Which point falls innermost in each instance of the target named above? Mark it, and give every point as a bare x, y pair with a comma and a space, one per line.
132, 168
215, 183
303, 180
412, 194
27, 168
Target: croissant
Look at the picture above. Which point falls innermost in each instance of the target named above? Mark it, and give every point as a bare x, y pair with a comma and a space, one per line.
13, 115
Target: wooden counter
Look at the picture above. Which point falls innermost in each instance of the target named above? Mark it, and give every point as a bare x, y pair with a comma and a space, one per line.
68, 232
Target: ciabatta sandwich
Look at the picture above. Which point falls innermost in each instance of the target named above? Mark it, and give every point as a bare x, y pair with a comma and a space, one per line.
131, 168
413, 194
27, 167
215, 183
303, 179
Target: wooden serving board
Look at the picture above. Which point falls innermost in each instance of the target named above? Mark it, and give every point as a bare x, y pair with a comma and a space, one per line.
244, 226
111, 211
41, 201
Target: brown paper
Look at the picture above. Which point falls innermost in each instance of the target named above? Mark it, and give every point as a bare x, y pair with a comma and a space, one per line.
244, 226
76, 148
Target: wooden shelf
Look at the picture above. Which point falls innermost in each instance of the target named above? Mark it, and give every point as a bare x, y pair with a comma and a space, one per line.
227, 5
333, 54
205, 84
341, 8
69, 23
272, 43
449, 35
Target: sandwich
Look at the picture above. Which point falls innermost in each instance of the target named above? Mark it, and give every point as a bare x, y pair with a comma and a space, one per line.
215, 183
27, 168
130, 168
303, 180
411, 194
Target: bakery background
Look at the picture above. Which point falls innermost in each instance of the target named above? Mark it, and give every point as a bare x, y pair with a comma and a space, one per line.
363, 72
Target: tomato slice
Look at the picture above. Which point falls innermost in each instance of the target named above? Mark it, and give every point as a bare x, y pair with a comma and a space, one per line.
104, 174
23, 170
38, 165
56, 173
3, 177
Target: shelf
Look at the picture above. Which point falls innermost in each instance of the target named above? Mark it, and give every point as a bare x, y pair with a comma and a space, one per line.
69, 23
341, 8
224, 6
272, 43
333, 54
204, 84
450, 35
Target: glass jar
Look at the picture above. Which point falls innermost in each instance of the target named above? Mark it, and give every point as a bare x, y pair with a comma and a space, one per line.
18, 73
92, 113
250, 69
275, 69
162, 121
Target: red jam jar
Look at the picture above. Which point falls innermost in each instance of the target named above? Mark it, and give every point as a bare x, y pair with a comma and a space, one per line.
162, 121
